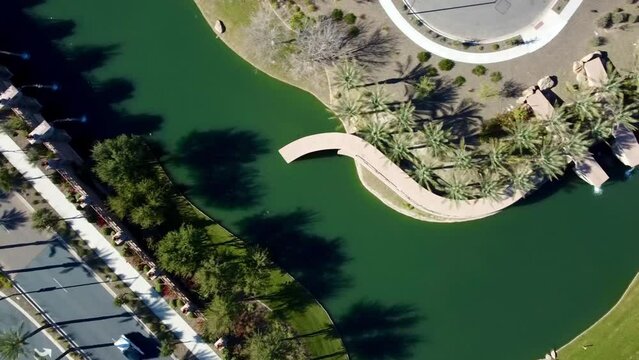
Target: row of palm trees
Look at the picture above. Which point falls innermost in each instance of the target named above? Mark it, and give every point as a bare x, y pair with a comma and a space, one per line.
525, 151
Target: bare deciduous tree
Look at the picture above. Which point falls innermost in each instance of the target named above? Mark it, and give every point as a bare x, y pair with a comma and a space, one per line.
324, 42
266, 34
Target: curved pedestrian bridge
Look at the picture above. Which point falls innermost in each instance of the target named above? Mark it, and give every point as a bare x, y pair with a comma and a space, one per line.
395, 178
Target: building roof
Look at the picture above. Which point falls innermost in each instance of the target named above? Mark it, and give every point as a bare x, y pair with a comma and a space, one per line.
540, 105
626, 147
591, 172
595, 72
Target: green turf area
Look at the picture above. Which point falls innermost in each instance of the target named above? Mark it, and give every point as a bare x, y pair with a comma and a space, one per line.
615, 336
294, 304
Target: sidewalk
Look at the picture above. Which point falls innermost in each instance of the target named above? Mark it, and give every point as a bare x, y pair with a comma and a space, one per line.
549, 26
105, 250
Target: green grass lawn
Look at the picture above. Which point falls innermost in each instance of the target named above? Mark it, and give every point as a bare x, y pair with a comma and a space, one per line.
616, 336
295, 305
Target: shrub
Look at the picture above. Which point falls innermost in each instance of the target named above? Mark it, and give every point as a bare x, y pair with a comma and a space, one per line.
446, 65
605, 21
598, 41
158, 286
495, 47
620, 17
514, 41
15, 123
337, 15
120, 300
495, 76
5, 283
430, 71
459, 81
479, 70
353, 31
350, 18
487, 91
423, 56
166, 347
298, 20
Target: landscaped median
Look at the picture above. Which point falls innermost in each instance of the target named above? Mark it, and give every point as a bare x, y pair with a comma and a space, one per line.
111, 257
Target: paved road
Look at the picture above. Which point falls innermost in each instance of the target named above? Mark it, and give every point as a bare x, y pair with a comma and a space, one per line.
67, 290
11, 318
480, 19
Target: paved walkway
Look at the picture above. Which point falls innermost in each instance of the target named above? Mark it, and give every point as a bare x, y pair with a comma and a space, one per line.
103, 248
394, 177
535, 36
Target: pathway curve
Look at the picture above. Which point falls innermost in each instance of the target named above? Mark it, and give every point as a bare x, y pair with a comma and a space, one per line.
535, 36
394, 177
105, 250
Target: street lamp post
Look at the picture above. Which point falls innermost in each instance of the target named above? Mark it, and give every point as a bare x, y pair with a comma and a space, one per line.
52, 87
22, 55
82, 119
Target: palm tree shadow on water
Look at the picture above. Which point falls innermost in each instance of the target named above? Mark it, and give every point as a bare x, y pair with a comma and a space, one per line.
71, 67
371, 330
374, 331
569, 182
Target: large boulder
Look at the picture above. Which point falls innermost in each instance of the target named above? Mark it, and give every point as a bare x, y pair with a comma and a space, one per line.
219, 27
546, 83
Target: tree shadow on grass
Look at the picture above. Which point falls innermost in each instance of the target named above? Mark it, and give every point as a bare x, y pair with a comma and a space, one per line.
220, 163
315, 261
373, 331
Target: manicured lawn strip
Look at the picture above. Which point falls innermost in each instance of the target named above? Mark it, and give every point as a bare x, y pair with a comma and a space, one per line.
614, 336
295, 304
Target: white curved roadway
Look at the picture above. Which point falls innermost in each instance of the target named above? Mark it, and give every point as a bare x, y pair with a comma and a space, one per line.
534, 39
394, 177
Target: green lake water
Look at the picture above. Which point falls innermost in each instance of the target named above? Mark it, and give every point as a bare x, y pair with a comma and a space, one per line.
508, 287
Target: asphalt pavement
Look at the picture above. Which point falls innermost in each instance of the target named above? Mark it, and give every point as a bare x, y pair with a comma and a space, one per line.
37, 343
65, 288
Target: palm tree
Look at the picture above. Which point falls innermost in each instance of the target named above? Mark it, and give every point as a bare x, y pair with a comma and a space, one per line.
491, 186
425, 175
497, 154
376, 133
622, 115
7, 179
348, 109
585, 106
558, 124
575, 145
436, 138
404, 117
522, 177
462, 157
349, 74
398, 148
549, 160
425, 87
456, 189
524, 135
601, 128
378, 100
13, 343
613, 88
